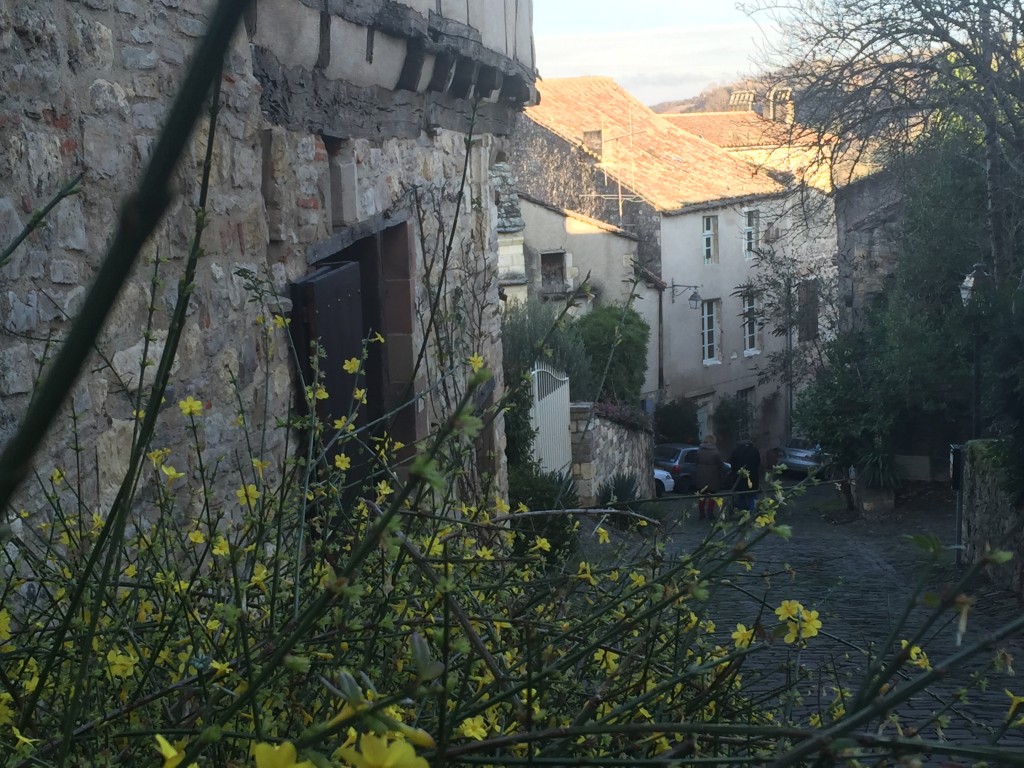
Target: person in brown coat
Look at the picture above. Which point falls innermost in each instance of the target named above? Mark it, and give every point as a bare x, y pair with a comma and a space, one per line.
708, 476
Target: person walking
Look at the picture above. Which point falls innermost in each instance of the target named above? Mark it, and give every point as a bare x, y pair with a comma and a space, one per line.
708, 477
747, 484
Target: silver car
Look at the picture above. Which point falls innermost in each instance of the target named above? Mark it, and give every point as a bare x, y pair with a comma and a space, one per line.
803, 456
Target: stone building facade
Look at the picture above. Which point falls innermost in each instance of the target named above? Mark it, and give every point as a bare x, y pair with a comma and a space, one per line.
868, 213
350, 133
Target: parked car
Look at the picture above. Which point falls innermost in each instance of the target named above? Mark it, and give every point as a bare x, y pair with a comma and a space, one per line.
803, 456
663, 482
680, 461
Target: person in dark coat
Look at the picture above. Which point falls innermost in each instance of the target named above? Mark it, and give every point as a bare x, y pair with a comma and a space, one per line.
746, 456
708, 476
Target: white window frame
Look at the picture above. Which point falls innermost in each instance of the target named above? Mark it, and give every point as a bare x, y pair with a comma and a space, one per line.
751, 232
751, 333
709, 238
710, 332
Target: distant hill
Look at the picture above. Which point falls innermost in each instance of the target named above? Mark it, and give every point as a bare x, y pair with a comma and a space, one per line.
715, 98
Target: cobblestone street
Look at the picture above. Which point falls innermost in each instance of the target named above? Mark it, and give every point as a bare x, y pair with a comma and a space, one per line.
859, 573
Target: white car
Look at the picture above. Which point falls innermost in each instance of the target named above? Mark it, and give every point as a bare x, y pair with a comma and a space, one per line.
663, 482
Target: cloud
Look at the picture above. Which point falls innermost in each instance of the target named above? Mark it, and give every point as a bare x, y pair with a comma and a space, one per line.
654, 64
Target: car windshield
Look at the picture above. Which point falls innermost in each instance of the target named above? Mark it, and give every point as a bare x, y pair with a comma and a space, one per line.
665, 453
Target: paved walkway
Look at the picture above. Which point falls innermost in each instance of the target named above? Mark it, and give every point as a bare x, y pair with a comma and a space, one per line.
859, 573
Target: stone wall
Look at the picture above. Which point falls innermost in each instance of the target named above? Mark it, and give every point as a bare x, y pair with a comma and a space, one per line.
86, 86
990, 519
867, 222
601, 448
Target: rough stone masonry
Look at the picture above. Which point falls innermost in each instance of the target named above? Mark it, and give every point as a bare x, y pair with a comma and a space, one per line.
336, 118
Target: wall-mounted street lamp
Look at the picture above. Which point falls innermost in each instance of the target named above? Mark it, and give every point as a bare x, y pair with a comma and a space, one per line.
678, 290
971, 292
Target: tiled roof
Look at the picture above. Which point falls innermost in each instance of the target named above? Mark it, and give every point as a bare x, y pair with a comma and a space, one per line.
668, 167
737, 129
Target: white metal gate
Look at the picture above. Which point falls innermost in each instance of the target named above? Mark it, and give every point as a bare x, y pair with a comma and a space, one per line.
549, 417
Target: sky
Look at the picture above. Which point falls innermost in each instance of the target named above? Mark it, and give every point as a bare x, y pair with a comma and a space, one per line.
658, 50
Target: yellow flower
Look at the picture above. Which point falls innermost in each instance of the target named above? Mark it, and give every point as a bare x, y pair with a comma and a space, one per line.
742, 636
789, 610
602, 535
342, 462
247, 495
384, 490
196, 537
376, 752
281, 322
584, 574
220, 667
540, 544
1015, 701
476, 362
278, 756
917, 656
638, 579
609, 660
485, 553
172, 754
259, 466
259, 576
359, 395
158, 456
805, 627
220, 546
172, 473
351, 365
190, 407
120, 664
23, 739
474, 728
6, 712
56, 477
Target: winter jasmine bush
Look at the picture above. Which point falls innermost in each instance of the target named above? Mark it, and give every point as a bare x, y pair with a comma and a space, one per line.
286, 610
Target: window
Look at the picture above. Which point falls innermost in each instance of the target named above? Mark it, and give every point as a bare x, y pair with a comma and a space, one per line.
552, 272
751, 233
709, 239
807, 310
751, 342
709, 331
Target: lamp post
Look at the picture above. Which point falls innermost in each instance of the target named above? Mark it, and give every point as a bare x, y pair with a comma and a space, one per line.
971, 290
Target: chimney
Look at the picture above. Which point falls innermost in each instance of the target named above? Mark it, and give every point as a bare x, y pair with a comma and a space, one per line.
779, 105
741, 101
594, 141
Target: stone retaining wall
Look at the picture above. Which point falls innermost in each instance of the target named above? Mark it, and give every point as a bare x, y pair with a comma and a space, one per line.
990, 519
602, 448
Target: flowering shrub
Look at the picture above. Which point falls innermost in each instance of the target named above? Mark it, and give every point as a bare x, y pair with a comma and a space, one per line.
284, 610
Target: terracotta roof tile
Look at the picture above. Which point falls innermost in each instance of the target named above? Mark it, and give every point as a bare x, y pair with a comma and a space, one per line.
668, 167
737, 129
